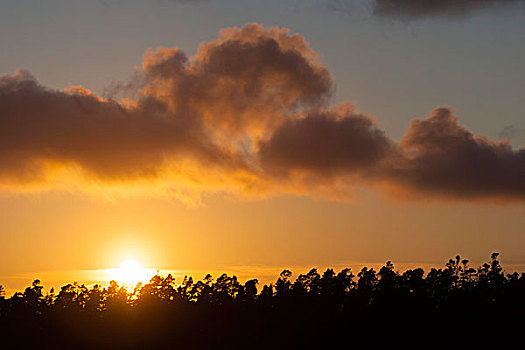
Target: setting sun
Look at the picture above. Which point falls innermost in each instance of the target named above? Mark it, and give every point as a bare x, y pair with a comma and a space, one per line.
130, 272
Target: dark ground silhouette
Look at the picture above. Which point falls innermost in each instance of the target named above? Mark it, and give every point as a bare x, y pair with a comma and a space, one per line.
454, 307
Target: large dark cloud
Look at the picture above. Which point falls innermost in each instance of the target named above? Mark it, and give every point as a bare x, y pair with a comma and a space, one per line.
412, 9
249, 114
436, 156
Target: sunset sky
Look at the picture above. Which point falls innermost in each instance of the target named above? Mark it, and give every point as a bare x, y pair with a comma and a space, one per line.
251, 136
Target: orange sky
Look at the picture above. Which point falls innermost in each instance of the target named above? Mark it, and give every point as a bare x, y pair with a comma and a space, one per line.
238, 156
51, 234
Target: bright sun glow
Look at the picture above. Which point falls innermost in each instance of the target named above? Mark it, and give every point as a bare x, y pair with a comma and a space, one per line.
130, 273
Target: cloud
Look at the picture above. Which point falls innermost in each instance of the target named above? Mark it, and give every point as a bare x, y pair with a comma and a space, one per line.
194, 118
106, 139
242, 84
326, 142
413, 9
440, 157
514, 134
435, 157
249, 115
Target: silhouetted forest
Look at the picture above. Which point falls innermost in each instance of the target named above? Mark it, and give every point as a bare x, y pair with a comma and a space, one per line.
451, 307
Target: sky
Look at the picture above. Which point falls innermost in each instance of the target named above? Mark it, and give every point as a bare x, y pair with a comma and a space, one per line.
251, 136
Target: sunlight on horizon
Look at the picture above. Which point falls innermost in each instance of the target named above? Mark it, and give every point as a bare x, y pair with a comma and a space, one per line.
130, 272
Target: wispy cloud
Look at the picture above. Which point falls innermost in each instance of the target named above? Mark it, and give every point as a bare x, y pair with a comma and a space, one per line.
414, 9
514, 134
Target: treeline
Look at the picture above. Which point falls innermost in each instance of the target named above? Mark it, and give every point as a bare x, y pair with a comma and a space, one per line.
457, 304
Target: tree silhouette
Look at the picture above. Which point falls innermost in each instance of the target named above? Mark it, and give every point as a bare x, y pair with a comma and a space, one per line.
447, 307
